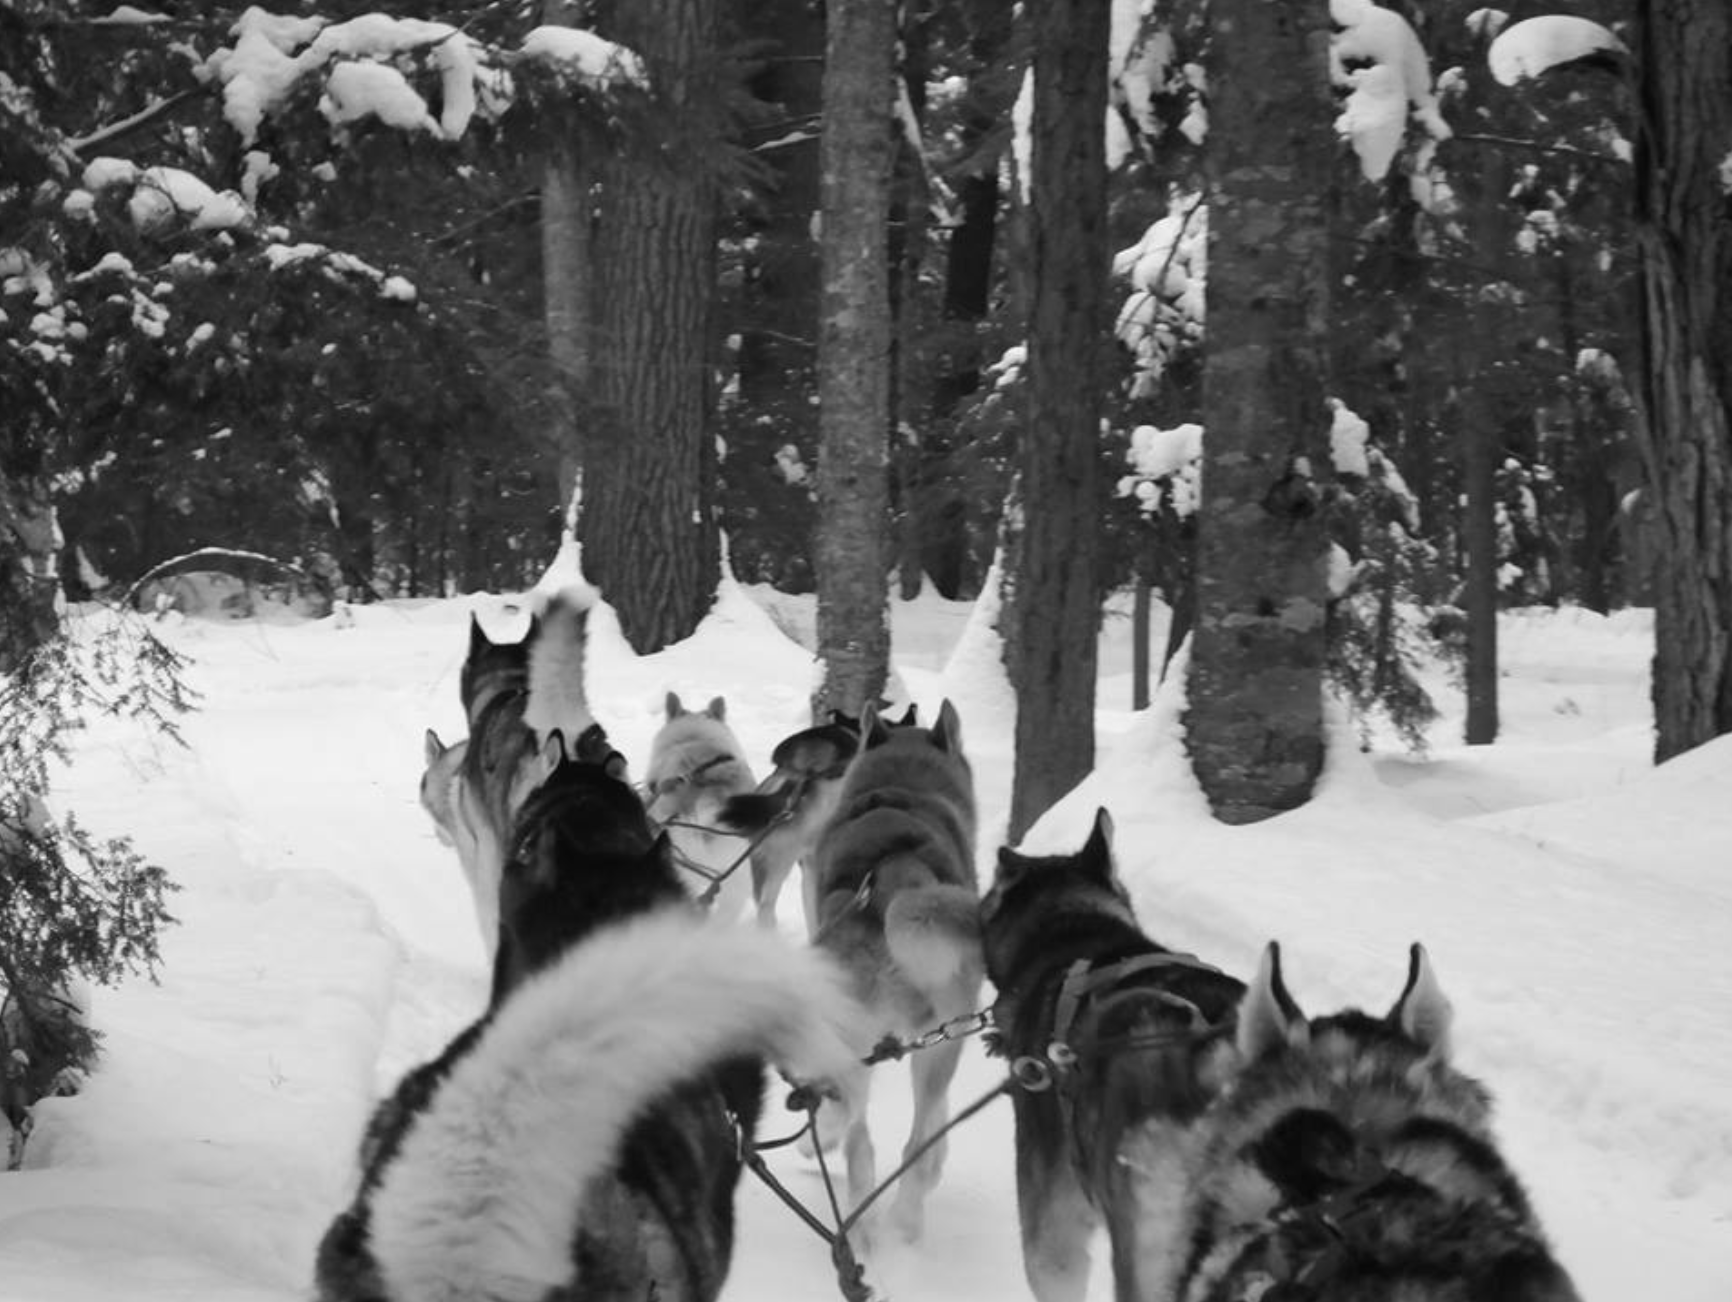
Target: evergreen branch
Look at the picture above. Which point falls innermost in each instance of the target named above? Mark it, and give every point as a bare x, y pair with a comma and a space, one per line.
143, 118
458, 232
1534, 146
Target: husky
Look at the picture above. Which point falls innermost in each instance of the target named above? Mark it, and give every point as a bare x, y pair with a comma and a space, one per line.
791, 806
584, 1137
497, 767
1346, 1159
696, 765
895, 902
1108, 1030
442, 768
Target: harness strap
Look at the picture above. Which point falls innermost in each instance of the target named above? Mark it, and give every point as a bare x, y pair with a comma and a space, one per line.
1083, 979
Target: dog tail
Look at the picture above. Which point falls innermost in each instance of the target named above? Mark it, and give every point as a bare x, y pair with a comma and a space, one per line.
751, 811
556, 674
933, 933
485, 1193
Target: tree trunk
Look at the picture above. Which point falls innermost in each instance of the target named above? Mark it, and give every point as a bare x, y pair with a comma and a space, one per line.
648, 528
854, 356
29, 565
567, 257
1055, 614
1684, 387
1479, 451
1255, 721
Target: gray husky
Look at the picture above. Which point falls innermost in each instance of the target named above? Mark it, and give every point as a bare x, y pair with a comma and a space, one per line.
1347, 1159
1108, 1030
895, 902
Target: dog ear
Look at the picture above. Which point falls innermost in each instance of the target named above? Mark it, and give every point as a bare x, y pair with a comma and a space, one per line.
1423, 1013
1012, 867
873, 731
717, 709
673, 707
431, 748
947, 732
478, 639
910, 717
552, 753
1268, 1017
1098, 849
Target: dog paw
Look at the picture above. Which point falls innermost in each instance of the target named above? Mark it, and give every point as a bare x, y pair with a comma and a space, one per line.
908, 1220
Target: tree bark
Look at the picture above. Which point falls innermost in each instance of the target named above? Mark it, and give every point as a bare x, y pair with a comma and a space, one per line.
1055, 612
1256, 676
567, 259
29, 565
856, 150
648, 528
1684, 387
1479, 449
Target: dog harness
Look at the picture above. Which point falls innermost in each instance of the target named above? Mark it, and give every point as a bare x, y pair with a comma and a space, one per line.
1084, 982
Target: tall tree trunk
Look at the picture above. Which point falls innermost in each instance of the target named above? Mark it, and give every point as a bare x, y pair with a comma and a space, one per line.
1256, 675
648, 528
1478, 437
1055, 612
1684, 388
567, 259
854, 355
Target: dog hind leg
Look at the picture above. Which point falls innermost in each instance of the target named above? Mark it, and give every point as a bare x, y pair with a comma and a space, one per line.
932, 1070
1057, 1223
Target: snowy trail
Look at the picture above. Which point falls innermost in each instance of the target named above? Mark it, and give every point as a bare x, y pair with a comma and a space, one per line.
327, 944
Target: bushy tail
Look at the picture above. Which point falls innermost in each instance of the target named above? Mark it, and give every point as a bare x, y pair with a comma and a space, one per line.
483, 1198
751, 811
556, 674
933, 933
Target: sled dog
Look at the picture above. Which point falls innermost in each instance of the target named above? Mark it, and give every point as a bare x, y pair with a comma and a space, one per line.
1107, 1030
498, 766
696, 765
442, 770
791, 806
1346, 1159
895, 902
583, 1138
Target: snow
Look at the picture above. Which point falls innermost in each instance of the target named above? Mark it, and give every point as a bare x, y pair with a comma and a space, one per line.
1537, 45
587, 56
1348, 433
1574, 899
164, 193
1374, 116
356, 91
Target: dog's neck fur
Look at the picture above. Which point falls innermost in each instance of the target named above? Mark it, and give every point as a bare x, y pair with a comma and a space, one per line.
561, 886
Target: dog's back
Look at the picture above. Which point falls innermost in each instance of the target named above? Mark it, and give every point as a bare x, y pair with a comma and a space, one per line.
892, 896
1349, 1159
1120, 1032
893, 869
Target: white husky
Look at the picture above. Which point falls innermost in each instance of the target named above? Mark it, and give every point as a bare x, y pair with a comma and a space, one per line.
696, 764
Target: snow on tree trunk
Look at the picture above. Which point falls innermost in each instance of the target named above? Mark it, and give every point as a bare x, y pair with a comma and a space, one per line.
1255, 721
1684, 386
852, 543
1055, 607
29, 566
648, 528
